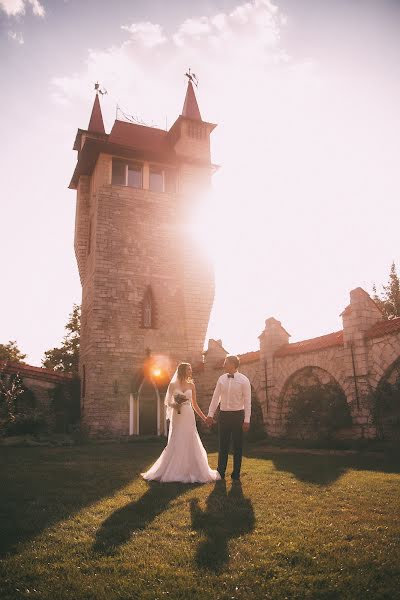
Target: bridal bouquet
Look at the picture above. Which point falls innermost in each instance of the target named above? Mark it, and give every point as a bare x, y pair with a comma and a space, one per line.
180, 399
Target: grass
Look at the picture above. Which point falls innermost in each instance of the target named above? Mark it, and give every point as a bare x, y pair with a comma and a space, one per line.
79, 523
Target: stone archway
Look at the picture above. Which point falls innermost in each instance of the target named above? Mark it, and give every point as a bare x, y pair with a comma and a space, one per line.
313, 405
150, 419
386, 403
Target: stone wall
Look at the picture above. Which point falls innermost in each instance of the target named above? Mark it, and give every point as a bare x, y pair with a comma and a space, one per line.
41, 382
357, 358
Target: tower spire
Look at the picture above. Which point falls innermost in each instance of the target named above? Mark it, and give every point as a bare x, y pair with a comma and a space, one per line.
96, 123
190, 107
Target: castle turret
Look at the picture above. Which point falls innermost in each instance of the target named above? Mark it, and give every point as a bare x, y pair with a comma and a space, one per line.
146, 285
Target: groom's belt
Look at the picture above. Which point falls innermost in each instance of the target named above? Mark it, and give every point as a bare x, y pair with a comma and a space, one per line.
237, 410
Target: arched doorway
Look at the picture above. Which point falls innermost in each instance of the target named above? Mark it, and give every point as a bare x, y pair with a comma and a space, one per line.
386, 404
149, 409
314, 406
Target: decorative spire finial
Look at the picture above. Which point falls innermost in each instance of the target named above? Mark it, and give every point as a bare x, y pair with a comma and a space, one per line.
190, 107
99, 90
192, 77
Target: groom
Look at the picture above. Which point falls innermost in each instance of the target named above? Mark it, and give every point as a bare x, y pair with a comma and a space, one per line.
233, 393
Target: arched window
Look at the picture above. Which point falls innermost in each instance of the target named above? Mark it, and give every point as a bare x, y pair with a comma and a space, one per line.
148, 310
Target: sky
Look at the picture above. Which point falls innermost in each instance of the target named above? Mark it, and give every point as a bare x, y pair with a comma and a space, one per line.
306, 95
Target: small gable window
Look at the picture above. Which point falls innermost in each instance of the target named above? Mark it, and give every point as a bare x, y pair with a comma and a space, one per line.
148, 310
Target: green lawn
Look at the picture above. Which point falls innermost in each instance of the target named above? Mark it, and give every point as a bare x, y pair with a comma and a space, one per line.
78, 522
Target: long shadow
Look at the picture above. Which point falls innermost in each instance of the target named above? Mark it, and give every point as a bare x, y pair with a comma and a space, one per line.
135, 516
324, 468
311, 469
227, 515
41, 486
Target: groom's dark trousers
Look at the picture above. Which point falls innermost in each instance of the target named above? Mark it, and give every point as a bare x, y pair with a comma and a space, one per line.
230, 426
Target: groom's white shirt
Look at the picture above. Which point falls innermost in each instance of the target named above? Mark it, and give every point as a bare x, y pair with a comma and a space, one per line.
232, 394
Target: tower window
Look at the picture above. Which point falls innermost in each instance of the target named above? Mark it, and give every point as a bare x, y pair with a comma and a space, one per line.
148, 310
134, 175
118, 172
162, 179
127, 173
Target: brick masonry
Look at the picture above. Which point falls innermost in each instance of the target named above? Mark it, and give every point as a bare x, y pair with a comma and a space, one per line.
127, 240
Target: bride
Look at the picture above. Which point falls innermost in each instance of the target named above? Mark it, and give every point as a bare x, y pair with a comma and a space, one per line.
184, 459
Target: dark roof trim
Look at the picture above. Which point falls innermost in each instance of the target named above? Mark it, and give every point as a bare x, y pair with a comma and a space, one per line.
93, 147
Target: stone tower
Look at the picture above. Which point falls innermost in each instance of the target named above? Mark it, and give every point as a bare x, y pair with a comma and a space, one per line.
146, 285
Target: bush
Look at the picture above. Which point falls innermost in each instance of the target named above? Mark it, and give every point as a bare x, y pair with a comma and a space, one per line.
66, 405
18, 413
31, 421
386, 409
257, 429
317, 412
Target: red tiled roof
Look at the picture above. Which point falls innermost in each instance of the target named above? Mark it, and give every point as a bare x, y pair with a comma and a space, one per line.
318, 343
33, 372
190, 106
383, 328
249, 357
96, 122
140, 137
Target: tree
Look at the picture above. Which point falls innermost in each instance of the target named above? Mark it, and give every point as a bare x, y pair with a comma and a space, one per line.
318, 411
11, 352
10, 389
65, 359
389, 300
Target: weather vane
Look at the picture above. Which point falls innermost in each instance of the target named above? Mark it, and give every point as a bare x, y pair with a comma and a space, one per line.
192, 77
99, 90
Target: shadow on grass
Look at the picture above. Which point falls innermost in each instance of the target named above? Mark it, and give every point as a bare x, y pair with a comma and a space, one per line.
324, 468
135, 516
320, 470
41, 486
227, 515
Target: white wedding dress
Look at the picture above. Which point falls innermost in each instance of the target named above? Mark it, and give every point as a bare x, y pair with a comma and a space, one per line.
184, 459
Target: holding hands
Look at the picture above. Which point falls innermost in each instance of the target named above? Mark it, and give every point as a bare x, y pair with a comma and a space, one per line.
210, 421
